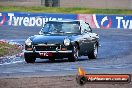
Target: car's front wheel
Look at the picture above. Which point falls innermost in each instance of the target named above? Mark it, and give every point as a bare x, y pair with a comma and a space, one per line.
29, 58
75, 54
93, 54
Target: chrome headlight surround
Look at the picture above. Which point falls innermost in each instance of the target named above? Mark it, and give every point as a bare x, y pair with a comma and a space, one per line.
67, 42
28, 42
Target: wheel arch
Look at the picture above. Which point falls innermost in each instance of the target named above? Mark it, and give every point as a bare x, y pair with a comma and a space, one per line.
77, 45
97, 42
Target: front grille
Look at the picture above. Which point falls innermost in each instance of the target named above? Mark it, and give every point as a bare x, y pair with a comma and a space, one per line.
46, 48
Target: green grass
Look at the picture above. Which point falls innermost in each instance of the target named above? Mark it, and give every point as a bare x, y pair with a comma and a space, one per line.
63, 10
7, 49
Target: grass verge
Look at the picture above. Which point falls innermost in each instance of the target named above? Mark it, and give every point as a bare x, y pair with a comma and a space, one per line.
63, 10
7, 49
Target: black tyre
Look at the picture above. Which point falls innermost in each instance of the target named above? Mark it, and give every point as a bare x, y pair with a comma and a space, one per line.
75, 54
29, 58
93, 54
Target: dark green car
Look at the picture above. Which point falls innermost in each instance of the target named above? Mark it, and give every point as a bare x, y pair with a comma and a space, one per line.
62, 39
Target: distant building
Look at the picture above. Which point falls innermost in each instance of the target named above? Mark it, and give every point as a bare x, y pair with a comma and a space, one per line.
113, 4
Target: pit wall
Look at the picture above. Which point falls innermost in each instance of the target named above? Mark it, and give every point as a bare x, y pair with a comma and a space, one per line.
22, 19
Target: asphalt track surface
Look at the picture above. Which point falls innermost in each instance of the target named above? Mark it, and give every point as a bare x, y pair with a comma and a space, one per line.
115, 56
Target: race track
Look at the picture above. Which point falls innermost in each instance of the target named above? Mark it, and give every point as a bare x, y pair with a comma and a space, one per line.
115, 56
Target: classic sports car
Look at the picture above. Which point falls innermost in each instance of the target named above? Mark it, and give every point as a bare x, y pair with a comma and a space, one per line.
62, 39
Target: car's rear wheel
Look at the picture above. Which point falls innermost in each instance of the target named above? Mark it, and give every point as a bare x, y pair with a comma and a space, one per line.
75, 54
93, 54
29, 58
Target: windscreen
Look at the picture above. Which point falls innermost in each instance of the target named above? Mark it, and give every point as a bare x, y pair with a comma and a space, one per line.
61, 27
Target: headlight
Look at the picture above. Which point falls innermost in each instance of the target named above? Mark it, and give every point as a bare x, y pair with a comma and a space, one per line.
67, 42
28, 42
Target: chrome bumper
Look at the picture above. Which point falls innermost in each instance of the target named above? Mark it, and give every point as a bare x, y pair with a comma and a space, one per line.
68, 51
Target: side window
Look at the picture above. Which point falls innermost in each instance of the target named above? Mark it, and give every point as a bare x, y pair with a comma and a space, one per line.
82, 24
88, 28
85, 27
